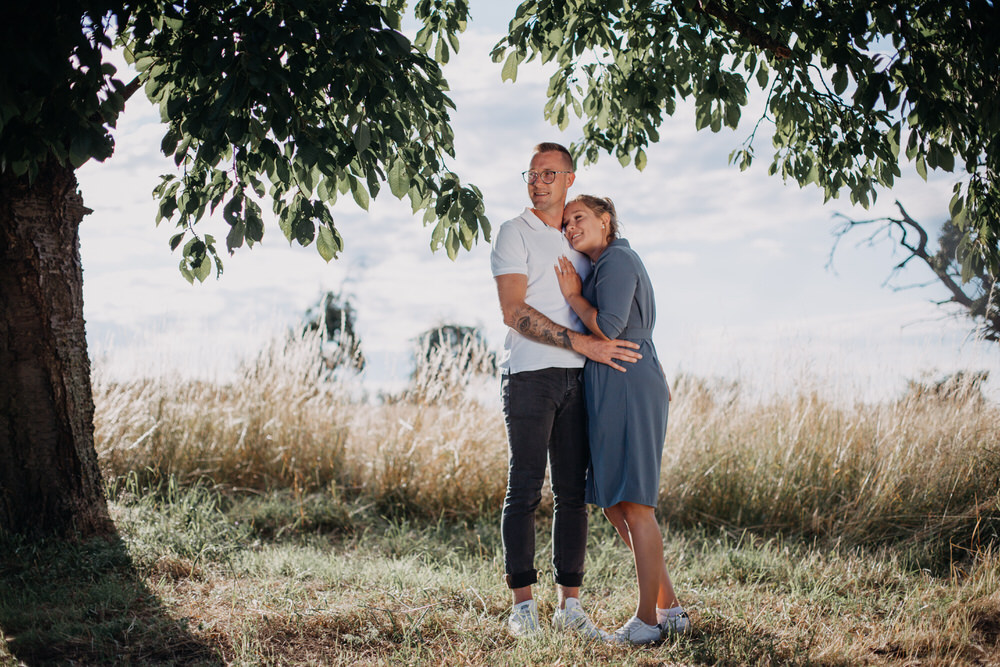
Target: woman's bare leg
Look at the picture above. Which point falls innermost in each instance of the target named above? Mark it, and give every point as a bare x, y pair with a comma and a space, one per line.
615, 515
638, 528
665, 597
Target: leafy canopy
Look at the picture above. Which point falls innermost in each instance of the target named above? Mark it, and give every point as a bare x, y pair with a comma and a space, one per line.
846, 83
291, 102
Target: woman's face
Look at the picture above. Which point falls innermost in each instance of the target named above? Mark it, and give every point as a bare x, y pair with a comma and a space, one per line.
586, 231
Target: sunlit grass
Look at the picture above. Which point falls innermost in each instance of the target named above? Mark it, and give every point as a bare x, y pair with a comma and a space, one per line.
281, 518
922, 468
194, 584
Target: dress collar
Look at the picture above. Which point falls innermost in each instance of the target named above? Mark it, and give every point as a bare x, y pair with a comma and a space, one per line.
616, 243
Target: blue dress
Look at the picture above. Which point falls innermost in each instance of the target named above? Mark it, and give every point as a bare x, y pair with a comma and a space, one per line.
627, 412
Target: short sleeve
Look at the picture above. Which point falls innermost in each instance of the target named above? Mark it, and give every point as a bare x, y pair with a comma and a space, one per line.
509, 254
615, 281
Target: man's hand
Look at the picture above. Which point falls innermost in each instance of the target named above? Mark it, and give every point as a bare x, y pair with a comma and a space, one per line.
606, 351
529, 322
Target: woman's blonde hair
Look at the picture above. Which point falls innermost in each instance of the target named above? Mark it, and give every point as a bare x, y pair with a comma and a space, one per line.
599, 206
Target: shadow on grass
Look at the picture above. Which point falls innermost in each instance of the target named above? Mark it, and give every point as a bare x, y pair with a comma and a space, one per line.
84, 603
722, 642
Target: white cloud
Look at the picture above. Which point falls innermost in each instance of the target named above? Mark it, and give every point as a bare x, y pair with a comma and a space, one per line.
737, 259
768, 248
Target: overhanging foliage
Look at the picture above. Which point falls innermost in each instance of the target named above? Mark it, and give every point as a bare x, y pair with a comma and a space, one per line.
846, 83
293, 102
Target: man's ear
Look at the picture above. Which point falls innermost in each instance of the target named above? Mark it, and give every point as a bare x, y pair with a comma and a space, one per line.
569, 181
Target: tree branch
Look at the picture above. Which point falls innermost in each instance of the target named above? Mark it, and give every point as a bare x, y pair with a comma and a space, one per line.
959, 295
131, 87
738, 23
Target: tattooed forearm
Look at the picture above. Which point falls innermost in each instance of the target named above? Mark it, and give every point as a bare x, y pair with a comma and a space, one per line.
534, 325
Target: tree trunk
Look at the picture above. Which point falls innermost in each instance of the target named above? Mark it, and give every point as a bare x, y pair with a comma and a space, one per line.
50, 483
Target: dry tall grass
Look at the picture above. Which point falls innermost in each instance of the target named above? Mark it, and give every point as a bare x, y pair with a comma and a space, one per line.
925, 466
289, 422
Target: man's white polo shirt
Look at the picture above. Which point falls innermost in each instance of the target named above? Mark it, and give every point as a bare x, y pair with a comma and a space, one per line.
528, 246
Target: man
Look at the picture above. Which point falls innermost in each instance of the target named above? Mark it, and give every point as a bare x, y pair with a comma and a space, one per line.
544, 410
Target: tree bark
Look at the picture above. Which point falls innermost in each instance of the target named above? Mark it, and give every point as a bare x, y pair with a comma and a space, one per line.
50, 483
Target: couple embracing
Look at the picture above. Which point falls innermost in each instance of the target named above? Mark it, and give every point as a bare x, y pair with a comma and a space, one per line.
584, 391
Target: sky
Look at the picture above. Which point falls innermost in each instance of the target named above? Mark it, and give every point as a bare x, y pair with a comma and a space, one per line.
740, 261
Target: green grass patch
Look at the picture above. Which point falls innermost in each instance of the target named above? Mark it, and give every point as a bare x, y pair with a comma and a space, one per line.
203, 577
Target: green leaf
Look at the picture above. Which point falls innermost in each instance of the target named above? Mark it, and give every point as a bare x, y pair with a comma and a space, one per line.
327, 243
441, 51
80, 149
185, 272
893, 138
732, 115
255, 224
452, 244
762, 75
968, 270
921, 167
912, 147
945, 158
359, 193
438, 235
484, 225
234, 239
362, 138
509, 71
285, 221
203, 269
956, 205
640, 159
281, 169
840, 80
169, 142
399, 180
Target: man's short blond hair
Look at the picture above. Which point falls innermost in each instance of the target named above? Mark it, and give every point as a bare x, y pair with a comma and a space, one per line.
552, 147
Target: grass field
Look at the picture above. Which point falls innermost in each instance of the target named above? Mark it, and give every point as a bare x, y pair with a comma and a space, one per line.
278, 519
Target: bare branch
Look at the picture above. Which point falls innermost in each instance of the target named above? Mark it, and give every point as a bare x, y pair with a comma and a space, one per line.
900, 288
976, 298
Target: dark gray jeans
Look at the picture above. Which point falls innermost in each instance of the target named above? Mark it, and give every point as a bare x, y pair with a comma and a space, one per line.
546, 420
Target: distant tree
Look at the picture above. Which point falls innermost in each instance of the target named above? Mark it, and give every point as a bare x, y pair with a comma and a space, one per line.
462, 345
958, 387
335, 315
286, 102
979, 295
446, 358
850, 87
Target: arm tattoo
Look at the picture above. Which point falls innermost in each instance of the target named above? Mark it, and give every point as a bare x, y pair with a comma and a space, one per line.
536, 326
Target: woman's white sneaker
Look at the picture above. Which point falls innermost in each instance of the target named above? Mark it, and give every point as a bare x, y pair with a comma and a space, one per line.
635, 631
675, 624
574, 619
523, 620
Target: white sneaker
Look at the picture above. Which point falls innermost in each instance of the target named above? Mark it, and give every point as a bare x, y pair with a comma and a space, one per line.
574, 619
676, 624
523, 620
635, 632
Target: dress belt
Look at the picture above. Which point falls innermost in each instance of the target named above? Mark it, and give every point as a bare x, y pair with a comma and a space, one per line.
636, 332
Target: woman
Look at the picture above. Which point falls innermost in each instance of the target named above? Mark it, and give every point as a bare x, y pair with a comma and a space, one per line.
627, 411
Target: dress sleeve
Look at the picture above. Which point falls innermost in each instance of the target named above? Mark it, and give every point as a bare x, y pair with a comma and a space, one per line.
615, 281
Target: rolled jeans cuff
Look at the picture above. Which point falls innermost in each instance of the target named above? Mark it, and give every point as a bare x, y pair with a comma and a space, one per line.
522, 579
569, 579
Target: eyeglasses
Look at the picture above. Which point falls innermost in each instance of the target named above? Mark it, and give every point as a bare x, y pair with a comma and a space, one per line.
546, 176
